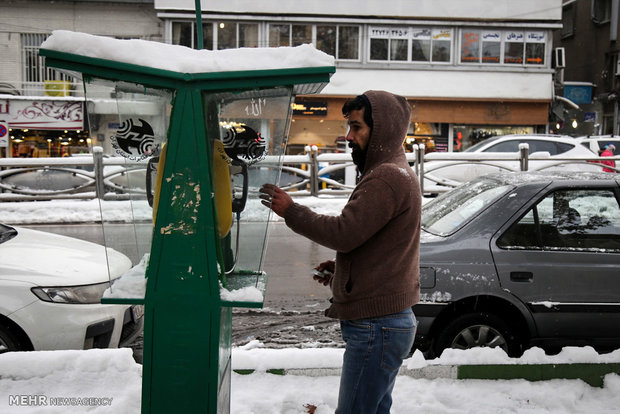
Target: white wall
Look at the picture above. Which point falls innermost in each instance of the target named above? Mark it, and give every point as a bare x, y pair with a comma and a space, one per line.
424, 9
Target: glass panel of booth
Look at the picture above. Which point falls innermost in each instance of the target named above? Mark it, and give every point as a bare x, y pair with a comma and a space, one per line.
134, 122
247, 133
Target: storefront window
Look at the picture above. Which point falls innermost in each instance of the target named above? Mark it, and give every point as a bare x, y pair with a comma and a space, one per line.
513, 48
230, 35
379, 43
398, 49
182, 33
470, 46
421, 45
326, 39
442, 45
491, 47
226, 36
207, 36
302, 34
535, 48
389, 43
279, 35
348, 42
248, 35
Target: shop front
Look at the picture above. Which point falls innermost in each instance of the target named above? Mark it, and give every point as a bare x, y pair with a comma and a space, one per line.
440, 124
43, 127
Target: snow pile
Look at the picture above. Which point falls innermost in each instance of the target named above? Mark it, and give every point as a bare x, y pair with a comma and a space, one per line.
245, 294
109, 381
492, 356
94, 381
183, 59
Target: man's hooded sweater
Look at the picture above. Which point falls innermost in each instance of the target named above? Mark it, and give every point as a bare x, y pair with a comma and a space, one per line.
377, 235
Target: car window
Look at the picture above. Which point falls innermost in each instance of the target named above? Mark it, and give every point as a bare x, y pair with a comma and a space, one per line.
506, 146
447, 213
482, 143
6, 233
542, 146
563, 147
579, 219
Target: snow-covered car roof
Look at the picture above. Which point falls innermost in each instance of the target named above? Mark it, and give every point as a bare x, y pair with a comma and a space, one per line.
519, 178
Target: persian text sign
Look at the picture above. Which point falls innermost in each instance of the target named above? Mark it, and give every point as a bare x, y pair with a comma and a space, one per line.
46, 114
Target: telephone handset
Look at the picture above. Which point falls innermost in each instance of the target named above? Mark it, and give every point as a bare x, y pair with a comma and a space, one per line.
239, 167
244, 146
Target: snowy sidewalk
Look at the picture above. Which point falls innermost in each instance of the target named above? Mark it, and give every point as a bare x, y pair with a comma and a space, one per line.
109, 381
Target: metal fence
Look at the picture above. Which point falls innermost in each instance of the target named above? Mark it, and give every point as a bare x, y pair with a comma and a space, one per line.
313, 173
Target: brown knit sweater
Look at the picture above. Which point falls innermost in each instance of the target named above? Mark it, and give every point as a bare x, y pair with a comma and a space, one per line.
377, 235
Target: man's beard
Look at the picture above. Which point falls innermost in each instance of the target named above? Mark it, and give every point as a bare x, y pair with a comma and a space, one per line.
359, 156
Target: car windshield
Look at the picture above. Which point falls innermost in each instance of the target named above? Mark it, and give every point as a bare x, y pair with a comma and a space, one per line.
444, 215
6, 233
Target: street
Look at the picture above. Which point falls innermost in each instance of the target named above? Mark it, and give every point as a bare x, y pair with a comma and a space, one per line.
294, 303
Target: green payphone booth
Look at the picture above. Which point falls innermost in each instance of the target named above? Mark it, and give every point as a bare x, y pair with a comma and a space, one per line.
210, 127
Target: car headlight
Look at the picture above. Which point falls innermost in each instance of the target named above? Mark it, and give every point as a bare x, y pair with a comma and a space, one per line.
72, 294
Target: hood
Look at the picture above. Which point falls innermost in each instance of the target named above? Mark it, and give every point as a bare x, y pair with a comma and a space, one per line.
391, 115
46, 259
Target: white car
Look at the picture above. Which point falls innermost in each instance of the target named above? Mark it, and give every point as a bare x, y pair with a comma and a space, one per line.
596, 143
442, 170
50, 292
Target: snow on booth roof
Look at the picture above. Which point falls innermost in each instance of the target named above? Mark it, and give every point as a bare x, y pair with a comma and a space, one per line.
182, 59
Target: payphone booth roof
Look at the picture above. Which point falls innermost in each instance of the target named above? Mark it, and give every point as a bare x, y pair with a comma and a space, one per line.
161, 65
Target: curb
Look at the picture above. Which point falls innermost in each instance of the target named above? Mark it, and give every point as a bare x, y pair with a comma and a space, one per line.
591, 373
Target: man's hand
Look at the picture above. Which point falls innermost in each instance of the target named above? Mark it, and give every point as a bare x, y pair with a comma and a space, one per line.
275, 198
327, 269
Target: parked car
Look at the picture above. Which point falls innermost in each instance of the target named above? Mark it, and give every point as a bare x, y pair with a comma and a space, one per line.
50, 292
598, 142
456, 169
519, 260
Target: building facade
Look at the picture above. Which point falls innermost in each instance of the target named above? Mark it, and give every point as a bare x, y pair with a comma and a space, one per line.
469, 69
43, 110
591, 68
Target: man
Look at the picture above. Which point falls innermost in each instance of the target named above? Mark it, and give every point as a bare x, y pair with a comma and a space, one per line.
608, 151
376, 272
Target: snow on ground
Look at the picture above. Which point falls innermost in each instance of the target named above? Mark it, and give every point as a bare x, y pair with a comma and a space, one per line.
109, 381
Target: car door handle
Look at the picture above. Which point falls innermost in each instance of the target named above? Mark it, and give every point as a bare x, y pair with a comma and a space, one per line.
521, 276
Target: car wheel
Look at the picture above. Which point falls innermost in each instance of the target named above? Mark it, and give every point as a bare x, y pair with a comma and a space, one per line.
477, 330
9, 341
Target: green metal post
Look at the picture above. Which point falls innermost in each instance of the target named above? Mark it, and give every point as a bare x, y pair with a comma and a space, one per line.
199, 25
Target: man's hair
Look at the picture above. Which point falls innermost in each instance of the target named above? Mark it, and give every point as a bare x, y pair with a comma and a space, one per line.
357, 103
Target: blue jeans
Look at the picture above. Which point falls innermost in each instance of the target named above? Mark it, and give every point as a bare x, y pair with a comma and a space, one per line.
374, 351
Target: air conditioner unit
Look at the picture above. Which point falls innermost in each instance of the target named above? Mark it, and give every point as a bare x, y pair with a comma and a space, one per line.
559, 57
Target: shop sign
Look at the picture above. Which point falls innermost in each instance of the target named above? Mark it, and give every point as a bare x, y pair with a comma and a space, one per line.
44, 114
578, 93
310, 108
